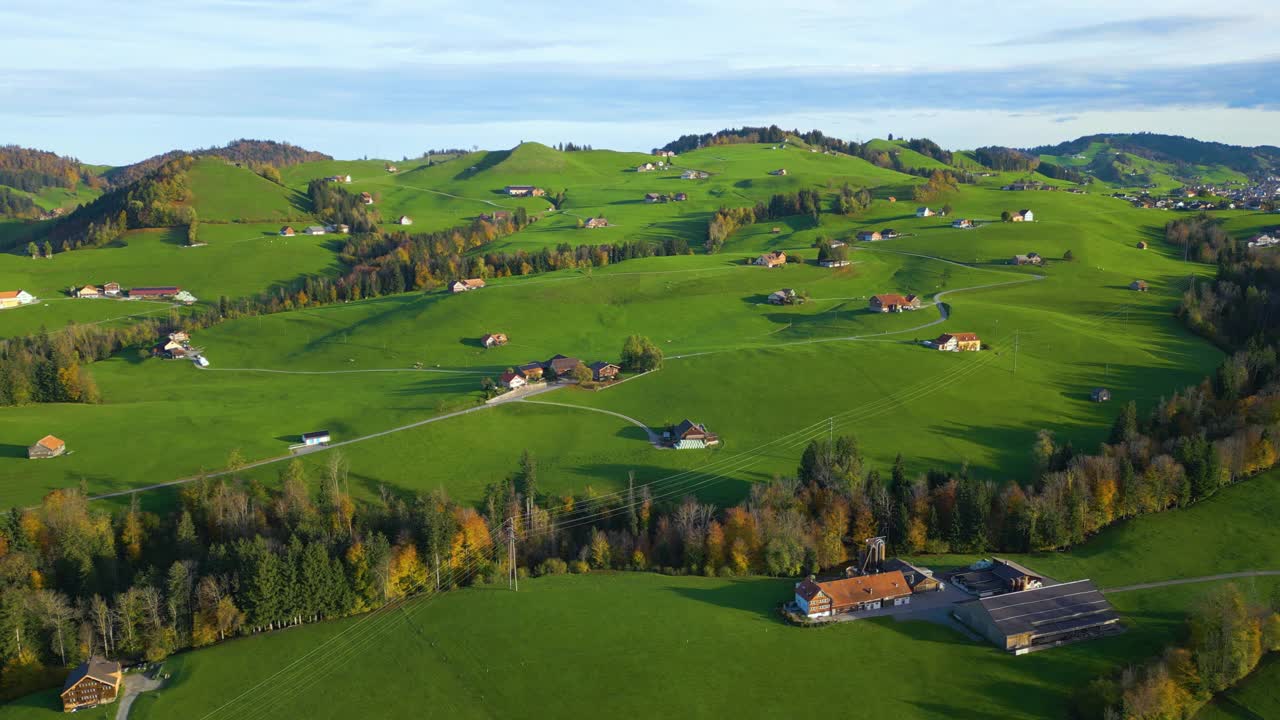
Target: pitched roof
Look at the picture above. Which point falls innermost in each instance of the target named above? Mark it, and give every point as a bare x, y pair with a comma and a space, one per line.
1050, 609
1010, 570
859, 589
508, 376
601, 364
96, 667
893, 299
51, 442
9, 294
960, 337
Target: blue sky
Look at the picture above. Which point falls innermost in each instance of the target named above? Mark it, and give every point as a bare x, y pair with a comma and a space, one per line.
115, 82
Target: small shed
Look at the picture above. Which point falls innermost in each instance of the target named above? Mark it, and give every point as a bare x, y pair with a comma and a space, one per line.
1100, 395
319, 437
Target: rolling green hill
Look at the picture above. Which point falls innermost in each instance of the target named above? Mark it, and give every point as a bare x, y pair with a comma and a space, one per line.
223, 192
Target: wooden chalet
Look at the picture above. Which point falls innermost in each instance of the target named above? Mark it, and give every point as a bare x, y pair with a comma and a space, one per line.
957, 342
46, 447
602, 371
94, 682
562, 365
690, 435
467, 285
852, 594
532, 372
771, 260
892, 302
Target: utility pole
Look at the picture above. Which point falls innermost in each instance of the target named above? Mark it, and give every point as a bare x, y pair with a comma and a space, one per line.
513, 579
1015, 352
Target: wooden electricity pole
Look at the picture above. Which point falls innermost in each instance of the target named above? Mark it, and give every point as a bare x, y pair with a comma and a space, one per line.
513, 579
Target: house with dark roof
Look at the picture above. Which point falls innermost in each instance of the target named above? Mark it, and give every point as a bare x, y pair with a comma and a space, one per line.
689, 435
319, 437
287, 231
46, 447
531, 371
1139, 285
962, 223
920, 578
1041, 618
957, 342
924, 212
94, 682
870, 235
852, 594
1100, 394
603, 371
154, 292
1023, 216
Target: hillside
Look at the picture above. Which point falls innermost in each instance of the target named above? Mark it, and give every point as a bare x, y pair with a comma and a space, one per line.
1177, 156
247, 152
224, 192
33, 183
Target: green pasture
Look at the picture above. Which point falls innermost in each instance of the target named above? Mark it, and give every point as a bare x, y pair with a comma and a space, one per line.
223, 192
1257, 696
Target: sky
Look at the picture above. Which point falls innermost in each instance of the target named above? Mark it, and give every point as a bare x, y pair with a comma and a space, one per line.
114, 83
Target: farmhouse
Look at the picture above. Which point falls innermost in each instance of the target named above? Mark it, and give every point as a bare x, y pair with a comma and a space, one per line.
46, 447
344, 228
461, 286
654, 197
785, 296
319, 437
511, 380
957, 342
95, 681
888, 233
111, 289
1040, 618
602, 371
681, 197
869, 236
779, 171
833, 263
154, 292
1023, 216
771, 260
892, 302
1100, 395
561, 365
1028, 259
287, 231
851, 594
924, 212
14, 298
404, 220
689, 435
524, 191
339, 178
595, 222
493, 340
314, 230
963, 223
392, 168
366, 198
169, 349
1139, 285
531, 371
1263, 240
645, 167
88, 291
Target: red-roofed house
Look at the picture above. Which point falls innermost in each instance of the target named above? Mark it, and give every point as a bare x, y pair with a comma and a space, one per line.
958, 342
892, 302
511, 380
863, 592
46, 447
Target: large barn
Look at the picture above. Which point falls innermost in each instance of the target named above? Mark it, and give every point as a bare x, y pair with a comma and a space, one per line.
94, 682
1045, 617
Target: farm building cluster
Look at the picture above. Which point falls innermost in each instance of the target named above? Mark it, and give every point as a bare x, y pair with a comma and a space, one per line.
112, 290
1013, 607
341, 228
560, 366
177, 346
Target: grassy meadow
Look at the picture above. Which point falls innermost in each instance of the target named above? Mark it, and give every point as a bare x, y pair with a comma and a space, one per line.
710, 646
767, 378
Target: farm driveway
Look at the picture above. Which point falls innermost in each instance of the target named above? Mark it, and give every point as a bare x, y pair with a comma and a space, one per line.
133, 686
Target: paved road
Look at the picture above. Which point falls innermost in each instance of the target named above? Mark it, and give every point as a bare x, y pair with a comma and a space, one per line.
654, 438
1188, 581
134, 685
322, 448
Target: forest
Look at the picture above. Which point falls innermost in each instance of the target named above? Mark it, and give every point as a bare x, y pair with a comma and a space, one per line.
248, 152
726, 221
33, 170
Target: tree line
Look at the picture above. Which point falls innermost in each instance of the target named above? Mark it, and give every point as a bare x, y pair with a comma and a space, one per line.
1006, 159
253, 153
17, 206
33, 170
1228, 635
153, 201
